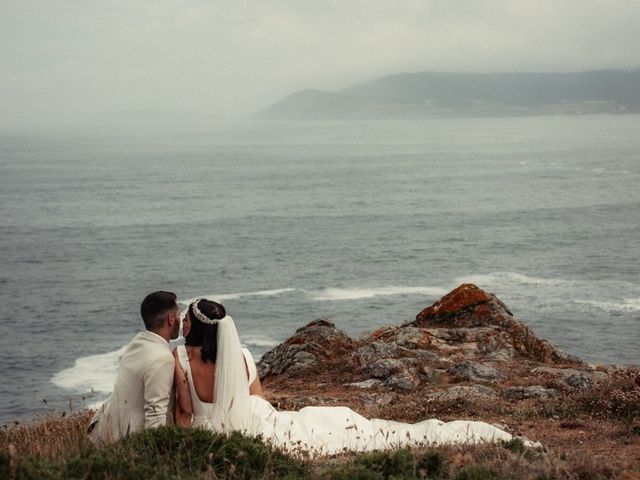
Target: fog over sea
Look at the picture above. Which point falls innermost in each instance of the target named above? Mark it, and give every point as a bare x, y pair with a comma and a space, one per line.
364, 223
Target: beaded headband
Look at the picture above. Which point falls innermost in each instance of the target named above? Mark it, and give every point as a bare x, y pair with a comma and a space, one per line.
202, 317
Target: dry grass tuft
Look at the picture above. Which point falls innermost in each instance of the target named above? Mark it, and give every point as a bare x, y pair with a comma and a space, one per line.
50, 438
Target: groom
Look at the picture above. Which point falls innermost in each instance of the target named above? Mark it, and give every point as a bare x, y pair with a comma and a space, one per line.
141, 396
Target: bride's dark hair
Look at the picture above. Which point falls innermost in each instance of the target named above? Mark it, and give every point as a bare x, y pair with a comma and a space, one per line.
203, 335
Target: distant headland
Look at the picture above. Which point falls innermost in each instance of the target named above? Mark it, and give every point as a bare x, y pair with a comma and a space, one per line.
437, 94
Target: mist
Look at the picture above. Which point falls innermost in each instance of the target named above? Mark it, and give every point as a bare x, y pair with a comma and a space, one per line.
71, 64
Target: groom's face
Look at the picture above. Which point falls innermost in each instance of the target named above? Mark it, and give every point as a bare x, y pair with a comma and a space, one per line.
175, 327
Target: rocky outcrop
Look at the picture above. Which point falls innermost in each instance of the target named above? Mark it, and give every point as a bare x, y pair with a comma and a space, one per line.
466, 346
533, 391
311, 348
468, 307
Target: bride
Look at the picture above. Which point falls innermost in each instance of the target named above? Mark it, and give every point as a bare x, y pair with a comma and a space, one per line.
217, 388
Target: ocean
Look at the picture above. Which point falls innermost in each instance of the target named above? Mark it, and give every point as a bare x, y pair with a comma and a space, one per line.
363, 223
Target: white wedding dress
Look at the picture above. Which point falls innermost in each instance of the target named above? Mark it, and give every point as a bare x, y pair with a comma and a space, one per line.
329, 430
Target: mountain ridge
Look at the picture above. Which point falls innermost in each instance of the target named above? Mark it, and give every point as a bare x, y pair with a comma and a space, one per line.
429, 93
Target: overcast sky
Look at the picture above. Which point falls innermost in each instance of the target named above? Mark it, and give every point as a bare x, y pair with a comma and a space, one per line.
67, 61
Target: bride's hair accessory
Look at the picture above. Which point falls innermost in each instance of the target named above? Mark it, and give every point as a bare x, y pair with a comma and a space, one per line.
202, 317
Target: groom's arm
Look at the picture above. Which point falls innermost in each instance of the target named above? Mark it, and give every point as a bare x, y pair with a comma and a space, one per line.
158, 383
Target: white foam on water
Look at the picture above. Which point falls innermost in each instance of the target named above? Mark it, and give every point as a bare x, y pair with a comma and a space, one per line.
514, 287
220, 297
93, 373
97, 373
258, 341
509, 278
329, 294
627, 305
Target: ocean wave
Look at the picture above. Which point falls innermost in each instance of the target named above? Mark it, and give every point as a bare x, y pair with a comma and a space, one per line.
627, 305
502, 278
360, 293
258, 341
93, 373
96, 374
219, 297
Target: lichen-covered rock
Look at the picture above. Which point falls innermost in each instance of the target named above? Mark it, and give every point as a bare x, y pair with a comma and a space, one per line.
578, 380
470, 307
371, 352
533, 391
480, 342
312, 348
378, 400
571, 377
385, 367
369, 383
476, 372
450, 307
412, 338
402, 380
464, 392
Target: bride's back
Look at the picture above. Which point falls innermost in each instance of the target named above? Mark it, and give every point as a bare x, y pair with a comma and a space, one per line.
203, 374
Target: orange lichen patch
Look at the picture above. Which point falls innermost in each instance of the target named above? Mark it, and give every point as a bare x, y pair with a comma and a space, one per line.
463, 297
382, 333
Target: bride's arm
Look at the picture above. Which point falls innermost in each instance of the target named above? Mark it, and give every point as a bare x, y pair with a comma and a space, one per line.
256, 388
183, 410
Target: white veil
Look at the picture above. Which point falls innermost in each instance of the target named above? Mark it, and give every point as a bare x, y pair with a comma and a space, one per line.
231, 389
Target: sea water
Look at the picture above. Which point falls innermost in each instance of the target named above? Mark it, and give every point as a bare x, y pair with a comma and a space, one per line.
363, 223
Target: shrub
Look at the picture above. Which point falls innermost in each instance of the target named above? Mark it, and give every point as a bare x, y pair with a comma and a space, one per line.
618, 396
476, 472
398, 464
516, 445
431, 464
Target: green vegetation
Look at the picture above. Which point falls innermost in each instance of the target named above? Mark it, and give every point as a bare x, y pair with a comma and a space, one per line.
173, 452
400, 464
516, 445
476, 472
163, 453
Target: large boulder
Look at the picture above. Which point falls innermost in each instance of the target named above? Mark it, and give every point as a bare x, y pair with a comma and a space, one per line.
311, 349
470, 307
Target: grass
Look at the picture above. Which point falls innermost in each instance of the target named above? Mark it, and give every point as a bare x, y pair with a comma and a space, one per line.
53, 437
163, 453
173, 452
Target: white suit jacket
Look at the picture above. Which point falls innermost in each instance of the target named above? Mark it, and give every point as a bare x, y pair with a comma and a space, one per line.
142, 394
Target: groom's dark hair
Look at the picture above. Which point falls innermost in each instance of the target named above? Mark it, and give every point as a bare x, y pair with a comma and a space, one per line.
155, 306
